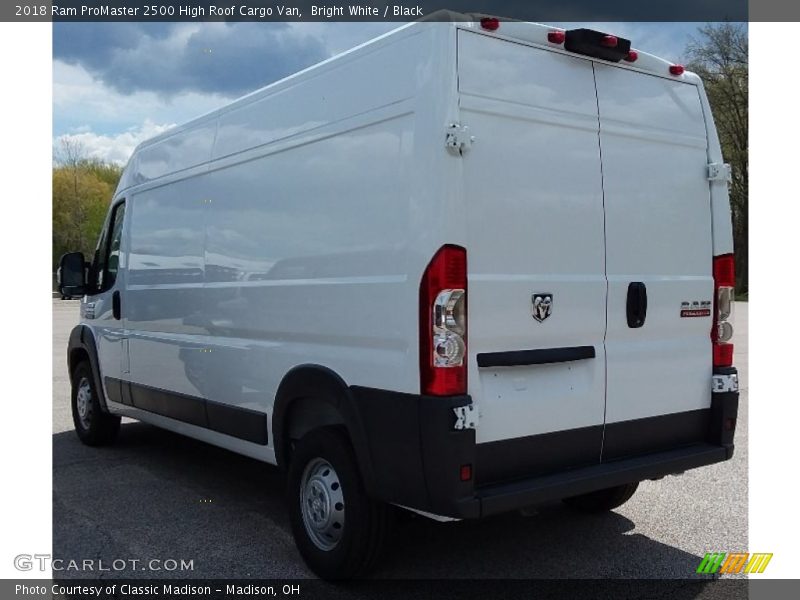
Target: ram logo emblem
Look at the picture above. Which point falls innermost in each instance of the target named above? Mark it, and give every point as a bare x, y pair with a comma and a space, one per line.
542, 306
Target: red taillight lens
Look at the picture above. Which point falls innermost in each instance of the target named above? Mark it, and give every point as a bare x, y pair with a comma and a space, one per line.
632, 56
723, 355
556, 37
724, 271
609, 41
676, 69
443, 323
722, 328
490, 23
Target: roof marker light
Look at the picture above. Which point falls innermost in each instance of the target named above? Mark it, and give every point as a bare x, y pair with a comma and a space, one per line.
490, 23
556, 37
632, 56
609, 41
676, 69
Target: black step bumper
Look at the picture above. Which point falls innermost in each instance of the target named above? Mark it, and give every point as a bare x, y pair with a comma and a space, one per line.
416, 455
500, 498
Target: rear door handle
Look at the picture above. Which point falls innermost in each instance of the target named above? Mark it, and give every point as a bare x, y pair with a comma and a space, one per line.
636, 308
116, 308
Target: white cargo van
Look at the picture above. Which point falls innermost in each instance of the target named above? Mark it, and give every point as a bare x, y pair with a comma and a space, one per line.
464, 268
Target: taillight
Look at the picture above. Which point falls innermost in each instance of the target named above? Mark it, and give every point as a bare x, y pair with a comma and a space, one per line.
632, 56
676, 69
443, 323
556, 37
722, 329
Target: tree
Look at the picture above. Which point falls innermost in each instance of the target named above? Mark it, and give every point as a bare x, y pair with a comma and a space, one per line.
82, 190
719, 56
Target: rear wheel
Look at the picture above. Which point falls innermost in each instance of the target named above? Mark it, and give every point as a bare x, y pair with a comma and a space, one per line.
338, 529
603, 500
93, 426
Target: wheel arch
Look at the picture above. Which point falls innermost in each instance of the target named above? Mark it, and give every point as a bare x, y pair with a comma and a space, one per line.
311, 396
82, 346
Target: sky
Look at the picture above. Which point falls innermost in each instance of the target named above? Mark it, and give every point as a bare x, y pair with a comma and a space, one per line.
118, 84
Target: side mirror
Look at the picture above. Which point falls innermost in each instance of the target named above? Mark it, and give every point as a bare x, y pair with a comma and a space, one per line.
72, 274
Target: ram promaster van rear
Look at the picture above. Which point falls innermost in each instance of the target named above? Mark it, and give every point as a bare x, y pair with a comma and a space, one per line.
465, 268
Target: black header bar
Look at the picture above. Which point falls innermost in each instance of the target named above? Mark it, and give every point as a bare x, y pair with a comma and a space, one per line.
393, 10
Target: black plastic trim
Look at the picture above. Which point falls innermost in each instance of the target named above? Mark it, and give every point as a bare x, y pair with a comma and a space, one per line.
537, 454
414, 451
722, 420
527, 492
636, 306
726, 371
542, 356
181, 407
81, 340
589, 43
415, 454
319, 384
242, 423
654, 434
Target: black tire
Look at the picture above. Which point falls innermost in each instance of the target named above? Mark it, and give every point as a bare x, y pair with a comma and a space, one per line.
364, 522
603, 500
95, 427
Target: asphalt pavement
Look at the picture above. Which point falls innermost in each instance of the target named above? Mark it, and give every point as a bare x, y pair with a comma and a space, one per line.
155, 495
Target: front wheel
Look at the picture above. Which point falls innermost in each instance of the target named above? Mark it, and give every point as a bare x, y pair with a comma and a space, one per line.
338, 530
93, 426
603, 500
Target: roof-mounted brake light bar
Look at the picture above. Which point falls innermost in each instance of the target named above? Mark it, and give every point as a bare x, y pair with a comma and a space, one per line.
588, 42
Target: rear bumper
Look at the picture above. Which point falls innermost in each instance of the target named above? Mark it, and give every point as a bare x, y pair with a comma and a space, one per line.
416, 456
510, 496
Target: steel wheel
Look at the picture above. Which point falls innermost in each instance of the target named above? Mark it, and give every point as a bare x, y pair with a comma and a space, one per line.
83, 400
322, 504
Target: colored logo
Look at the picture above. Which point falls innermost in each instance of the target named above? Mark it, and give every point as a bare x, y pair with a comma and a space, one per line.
733, 562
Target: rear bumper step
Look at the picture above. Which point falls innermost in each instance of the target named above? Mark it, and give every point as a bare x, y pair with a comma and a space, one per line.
411, 454
504, 497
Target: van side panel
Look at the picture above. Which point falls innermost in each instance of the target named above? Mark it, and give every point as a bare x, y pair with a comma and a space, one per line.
322, 101
163, 300
305, 264
306, 226
294, 231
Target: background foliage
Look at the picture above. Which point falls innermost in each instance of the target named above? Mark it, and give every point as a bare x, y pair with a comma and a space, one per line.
82, 190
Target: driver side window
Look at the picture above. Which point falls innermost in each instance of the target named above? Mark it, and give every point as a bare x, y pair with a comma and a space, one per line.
106, 257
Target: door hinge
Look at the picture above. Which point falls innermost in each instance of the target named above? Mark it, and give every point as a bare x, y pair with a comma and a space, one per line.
458, 139
719, 172
466, 417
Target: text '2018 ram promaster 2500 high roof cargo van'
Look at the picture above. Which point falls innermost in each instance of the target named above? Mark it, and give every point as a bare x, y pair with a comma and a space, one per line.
464, 268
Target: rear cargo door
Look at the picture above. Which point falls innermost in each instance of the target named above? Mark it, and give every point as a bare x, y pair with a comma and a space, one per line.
659, 254
535, 244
